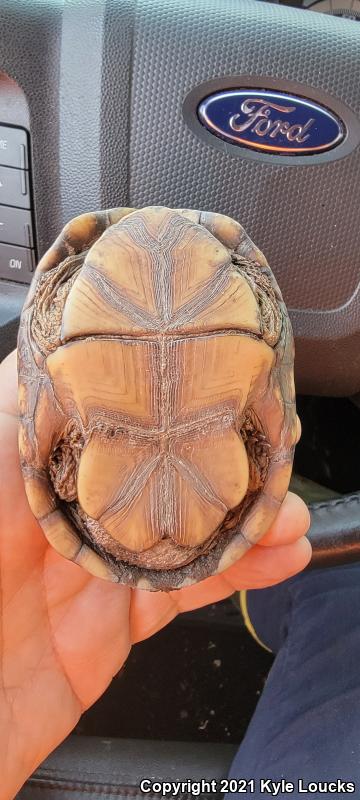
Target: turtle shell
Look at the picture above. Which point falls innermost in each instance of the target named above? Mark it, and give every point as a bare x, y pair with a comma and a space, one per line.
156, 395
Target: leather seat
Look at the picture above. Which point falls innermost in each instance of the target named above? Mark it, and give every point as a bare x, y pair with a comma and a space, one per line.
91, 767
335, 531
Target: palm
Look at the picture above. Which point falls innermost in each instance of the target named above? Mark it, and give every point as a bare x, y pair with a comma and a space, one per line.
64, 633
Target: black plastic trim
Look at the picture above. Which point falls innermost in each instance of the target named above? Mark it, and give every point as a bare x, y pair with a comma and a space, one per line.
261, 82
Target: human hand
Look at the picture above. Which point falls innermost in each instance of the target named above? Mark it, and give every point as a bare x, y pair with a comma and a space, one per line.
65, 634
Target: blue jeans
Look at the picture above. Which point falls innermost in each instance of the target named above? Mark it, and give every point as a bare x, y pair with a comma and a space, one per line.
307, 722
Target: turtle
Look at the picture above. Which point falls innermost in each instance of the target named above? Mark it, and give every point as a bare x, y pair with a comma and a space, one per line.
156, 395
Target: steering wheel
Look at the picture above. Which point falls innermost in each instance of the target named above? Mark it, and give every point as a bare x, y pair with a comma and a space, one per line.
106, 95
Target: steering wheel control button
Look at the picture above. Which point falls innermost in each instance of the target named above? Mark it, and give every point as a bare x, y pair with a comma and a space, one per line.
14, 187
16, 263
13, 147
16, 226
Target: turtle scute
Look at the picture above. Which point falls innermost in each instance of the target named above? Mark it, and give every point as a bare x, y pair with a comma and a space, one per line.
160, 349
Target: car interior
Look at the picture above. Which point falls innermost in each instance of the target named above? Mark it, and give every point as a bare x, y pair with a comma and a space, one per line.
98, 104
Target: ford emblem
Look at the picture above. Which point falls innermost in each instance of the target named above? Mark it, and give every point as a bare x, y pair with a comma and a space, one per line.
271, 122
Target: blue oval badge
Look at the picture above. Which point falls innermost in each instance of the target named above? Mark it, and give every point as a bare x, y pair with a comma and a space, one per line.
271, 122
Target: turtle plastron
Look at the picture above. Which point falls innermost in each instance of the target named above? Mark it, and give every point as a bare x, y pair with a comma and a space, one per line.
157, 400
